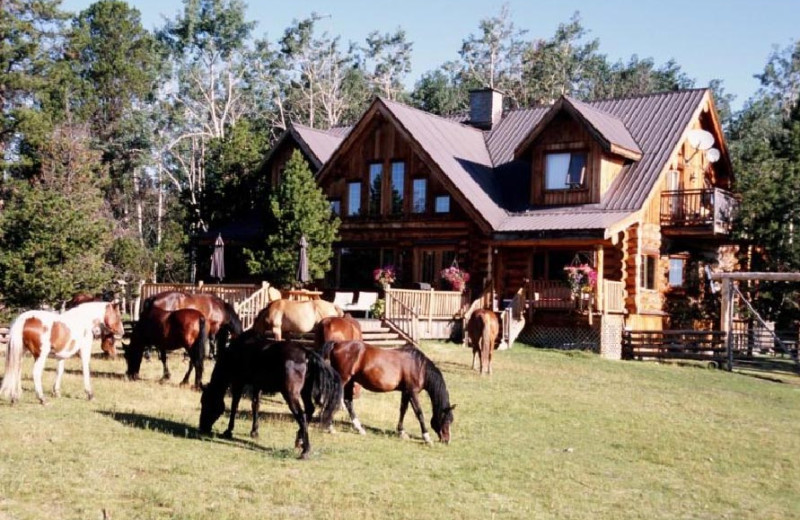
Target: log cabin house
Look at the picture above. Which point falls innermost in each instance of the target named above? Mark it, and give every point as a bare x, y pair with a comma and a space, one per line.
628, 187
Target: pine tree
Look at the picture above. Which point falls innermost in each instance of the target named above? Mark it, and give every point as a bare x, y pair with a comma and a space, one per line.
297, 207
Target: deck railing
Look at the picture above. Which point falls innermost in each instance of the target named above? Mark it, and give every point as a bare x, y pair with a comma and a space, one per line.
248, 309
231, 293
712, 208
402, 318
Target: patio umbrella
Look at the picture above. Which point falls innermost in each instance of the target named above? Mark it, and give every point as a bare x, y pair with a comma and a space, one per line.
218, 259
302, 264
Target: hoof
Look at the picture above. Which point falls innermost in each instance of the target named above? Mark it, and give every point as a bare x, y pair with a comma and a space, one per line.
330, 429
303, 456
403, 435
254, 434
89, 396
227, 434
427, 438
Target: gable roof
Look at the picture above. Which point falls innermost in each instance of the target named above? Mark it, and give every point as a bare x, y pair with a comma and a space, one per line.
606, 128
317, 145
485, 174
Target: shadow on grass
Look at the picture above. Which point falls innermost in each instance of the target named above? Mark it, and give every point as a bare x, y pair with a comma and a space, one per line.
94, 373
184, 431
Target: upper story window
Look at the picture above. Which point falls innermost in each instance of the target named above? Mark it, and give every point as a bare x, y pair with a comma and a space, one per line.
398, 186
442, 204
419, 195
336, 206
353, 198
375, 183
564, 170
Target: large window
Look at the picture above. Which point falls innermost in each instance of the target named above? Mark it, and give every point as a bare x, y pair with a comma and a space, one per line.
648, 271
565, 170
336, 206
375, 183
353, 198
433, 261
398, 186
420, 195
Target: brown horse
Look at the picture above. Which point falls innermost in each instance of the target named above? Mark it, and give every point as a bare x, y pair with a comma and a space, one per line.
281, 316
483, 328
299, 374
221, 319
169, 330
107, 341
337, 328
404, 369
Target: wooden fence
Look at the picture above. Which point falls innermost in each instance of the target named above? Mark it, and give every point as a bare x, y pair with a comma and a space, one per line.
674, 344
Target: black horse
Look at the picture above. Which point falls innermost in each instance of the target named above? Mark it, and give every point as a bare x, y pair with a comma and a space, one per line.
298, 373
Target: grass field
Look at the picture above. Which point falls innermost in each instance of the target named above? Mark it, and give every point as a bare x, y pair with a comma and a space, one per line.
548, 435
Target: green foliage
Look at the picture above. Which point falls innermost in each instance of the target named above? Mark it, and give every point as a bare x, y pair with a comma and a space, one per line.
51, 246
296, 207
378, 308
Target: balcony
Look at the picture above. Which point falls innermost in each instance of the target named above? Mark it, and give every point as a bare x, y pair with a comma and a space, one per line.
698, 212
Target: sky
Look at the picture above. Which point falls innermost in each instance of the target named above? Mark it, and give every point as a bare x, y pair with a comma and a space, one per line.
729, 40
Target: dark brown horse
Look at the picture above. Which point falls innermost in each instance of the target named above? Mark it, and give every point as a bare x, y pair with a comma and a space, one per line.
222, 321
483, 328
169, 330
107, 341
298, 373
404, 369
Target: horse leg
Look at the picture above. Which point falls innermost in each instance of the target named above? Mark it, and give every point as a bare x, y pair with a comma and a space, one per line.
236, 394
86, 355
57, 382
404, 399
256, 404
38, 368
162, 355
301, 440
348, 403
212, 342
474, 356
420, 417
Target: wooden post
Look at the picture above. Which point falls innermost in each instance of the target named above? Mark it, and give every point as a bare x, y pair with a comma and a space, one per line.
726, 319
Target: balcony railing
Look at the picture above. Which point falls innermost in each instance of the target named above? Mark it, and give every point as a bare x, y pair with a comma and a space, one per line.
709, 209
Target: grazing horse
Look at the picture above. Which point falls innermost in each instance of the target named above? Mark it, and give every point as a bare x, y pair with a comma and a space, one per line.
483, 328
405, 369
298, 373
169, 330
107, 342
64, 335
221, 319
281, 316
337, 328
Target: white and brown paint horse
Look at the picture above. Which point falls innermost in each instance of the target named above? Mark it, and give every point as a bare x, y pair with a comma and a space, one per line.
281, 316
43, 333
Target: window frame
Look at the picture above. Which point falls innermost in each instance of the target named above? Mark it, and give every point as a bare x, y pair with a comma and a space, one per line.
567, 186
648, 272
395, 209
336, 206
375, 206
437, 198
414, 208
684, 262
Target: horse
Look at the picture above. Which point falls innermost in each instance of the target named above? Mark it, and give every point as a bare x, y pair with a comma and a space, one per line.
221, 318
281, 316
169, 330
405, 369
107, 342
64, 335
483, 328
335, 328
298, 373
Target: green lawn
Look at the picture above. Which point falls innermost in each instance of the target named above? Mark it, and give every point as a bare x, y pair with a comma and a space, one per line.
548, 435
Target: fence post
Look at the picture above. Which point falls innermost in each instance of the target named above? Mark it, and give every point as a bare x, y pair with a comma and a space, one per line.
727, 320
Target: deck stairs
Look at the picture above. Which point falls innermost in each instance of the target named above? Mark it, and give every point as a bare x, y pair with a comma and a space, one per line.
373, 330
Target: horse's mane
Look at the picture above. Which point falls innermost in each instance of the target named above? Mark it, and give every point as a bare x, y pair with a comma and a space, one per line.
434, 380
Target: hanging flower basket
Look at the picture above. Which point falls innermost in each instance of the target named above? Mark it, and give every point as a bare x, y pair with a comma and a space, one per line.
456, 277
582, 279
384, 276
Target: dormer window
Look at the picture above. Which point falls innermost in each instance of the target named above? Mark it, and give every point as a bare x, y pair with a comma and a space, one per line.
565, 170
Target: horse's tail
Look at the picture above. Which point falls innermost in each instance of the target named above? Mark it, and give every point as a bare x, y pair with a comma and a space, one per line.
12, 379
327, 347
202, 339
326, 389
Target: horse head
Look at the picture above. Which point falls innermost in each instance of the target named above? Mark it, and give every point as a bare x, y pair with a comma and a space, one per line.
112, 321
441, 421
134, 352
212, 404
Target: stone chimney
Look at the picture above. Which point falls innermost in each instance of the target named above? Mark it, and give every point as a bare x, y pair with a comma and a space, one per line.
485, 108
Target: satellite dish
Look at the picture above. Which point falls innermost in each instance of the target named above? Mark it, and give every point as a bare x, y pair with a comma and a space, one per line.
712, 155
700, 139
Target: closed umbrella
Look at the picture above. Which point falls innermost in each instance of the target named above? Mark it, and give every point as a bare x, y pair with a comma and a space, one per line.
218, 259
302, 264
